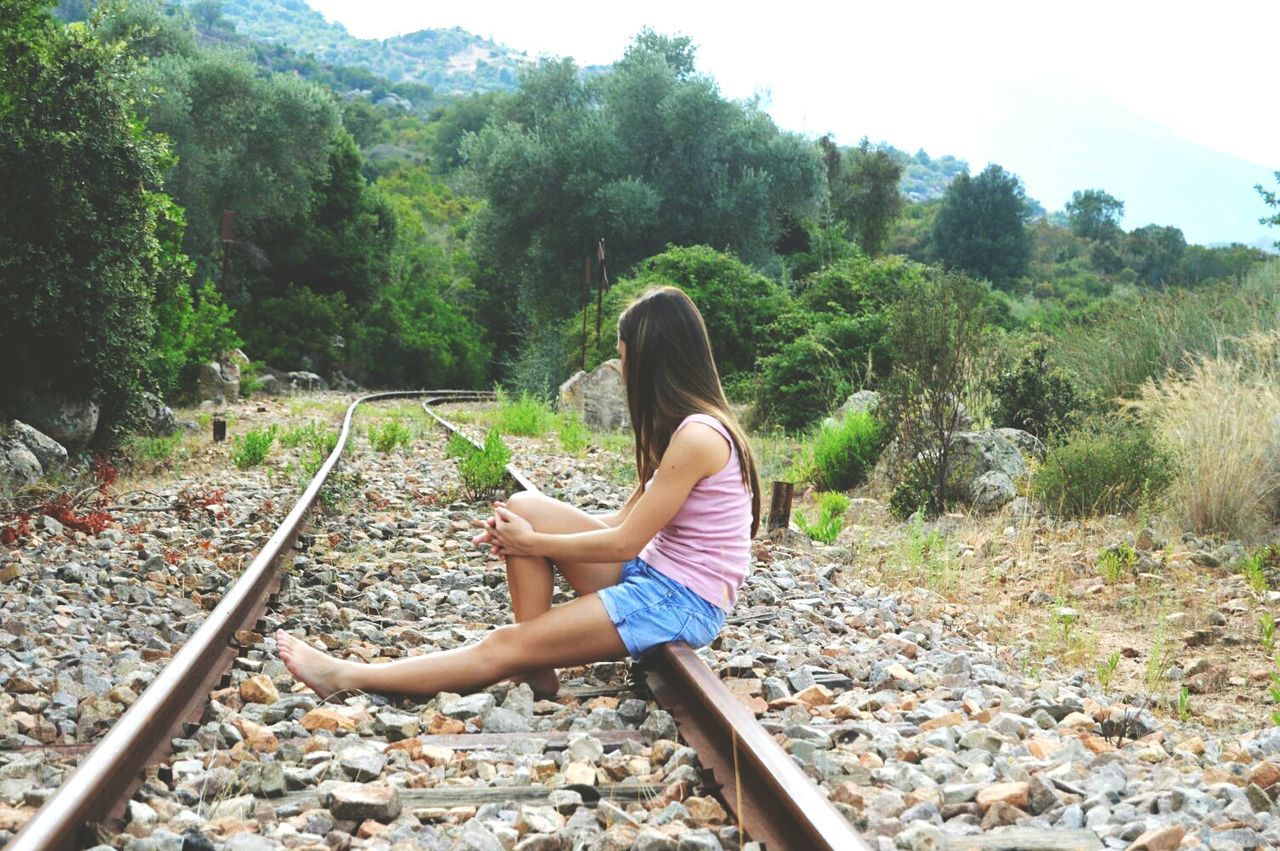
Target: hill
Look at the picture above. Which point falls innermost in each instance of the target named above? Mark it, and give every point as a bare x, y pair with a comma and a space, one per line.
451, 61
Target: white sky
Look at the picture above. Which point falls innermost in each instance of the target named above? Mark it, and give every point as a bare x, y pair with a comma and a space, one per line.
918, 74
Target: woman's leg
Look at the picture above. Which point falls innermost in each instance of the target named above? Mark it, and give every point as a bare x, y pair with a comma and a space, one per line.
530, 578
576, 633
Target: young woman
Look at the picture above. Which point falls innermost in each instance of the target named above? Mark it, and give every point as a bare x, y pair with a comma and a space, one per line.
666, 567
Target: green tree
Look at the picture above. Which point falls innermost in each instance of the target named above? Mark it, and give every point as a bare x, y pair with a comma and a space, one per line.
1272, 200
1154, 252
1093, 214
981, 227
82, 221
865, 194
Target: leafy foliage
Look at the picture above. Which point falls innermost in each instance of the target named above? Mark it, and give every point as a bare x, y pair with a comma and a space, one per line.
1093, 214
1104, 467
527, 416
251, 448
483, 471
83, 228
389, 435
1034, 395
826, 528
980, 228
845, 452
865, 195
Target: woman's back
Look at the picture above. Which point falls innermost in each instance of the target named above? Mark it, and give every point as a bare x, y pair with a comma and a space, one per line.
707, 544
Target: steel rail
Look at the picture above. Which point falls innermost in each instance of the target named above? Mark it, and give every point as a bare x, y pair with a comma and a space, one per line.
103, 782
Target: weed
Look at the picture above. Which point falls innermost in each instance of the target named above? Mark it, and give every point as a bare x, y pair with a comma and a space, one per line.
1114, 563
844, 452
312, 434
831, 508
1160, 657
925, 555
1253, 569
250, 449
1107, 670
156, 450
1184, 704
484, 470
1274, 691
1268, 629
574, 436
389, 434
528, 416
339, 487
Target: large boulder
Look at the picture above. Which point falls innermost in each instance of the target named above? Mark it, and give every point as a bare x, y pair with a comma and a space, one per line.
1027, 443
303, 380
599, 396
49, 454
992, 491
974, 453
18, 466
69, 420
159, 418
862, 402
213, 385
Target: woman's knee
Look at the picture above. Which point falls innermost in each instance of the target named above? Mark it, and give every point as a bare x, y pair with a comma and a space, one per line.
524, 503
502, 651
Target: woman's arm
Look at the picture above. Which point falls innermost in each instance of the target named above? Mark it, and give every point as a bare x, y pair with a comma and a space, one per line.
615, 519
696, 451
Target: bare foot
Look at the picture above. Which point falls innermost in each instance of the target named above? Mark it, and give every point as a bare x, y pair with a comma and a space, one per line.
318, 670
545, 684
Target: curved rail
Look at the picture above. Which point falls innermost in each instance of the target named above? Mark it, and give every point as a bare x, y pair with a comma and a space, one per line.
761, 785
109, 774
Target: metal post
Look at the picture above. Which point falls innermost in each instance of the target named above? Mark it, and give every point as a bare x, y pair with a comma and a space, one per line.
780, 505
586, 301
219, 429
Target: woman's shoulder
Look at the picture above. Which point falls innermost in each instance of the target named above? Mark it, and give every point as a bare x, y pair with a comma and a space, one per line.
705, 419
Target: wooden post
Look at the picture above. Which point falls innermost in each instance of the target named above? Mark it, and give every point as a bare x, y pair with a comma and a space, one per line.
780, 505
219, 429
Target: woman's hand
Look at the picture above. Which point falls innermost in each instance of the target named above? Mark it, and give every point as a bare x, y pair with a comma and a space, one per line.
513, 534
487, 536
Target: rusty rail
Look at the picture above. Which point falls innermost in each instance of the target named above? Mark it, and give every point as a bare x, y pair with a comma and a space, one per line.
103, 782
761, 785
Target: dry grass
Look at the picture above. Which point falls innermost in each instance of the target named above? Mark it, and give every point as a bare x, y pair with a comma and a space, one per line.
1221, 417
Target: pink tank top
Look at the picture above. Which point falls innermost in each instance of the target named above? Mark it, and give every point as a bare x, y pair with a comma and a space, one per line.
707, 546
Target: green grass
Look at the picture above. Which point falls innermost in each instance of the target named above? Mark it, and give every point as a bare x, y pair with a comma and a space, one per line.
311, 435
157, 450
574, 436
1267, 626
527, 416
1116, 563
831, 508
1107, 670
251, 449
483, 471
1252, 567
389, 435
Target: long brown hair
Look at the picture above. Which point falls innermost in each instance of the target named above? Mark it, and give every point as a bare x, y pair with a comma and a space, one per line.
670, 374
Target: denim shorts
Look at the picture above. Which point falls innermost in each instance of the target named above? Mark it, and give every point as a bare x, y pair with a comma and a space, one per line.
649, 609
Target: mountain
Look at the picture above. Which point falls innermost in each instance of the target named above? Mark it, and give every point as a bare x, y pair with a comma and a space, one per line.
452, 61
1059, 138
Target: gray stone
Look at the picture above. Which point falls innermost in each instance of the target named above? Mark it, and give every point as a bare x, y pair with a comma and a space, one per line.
862, 402
1026, 839
18, 466
659, 725
158, 416
474, 836
921, 836
699, 840
467, 706
360, 801
49, 453
213, 386
302, 380
69, 421
360, 761
992, 490
500, 720
599, 396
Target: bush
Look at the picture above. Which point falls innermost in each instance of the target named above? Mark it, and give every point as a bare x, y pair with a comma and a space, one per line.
831, 508
527, 416
800, 383
574, 436
1034, 395
300, 330
483, 471
1220, 419
1104, 467
737, 303
914, 492
250, 449
845, 452
85, 237
389, 434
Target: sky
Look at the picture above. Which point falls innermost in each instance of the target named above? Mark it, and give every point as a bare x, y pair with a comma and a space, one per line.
945, 76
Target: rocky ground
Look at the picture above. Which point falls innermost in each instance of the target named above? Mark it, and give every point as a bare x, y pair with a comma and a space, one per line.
917, 677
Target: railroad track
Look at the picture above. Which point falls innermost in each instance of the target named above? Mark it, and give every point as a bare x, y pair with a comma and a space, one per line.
763, 790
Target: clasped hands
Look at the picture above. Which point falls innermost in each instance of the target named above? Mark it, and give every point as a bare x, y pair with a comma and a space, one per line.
506, 533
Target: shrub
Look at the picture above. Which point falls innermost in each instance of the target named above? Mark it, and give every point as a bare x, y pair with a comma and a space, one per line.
389, 434
799, 383
845, 452
574, 436
1219, 417
1114, 563
1104, 467
484, 470
312, 435
938, 334
300, 330
528, 416
1034, 395
737, 303
250, 449
831, 508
